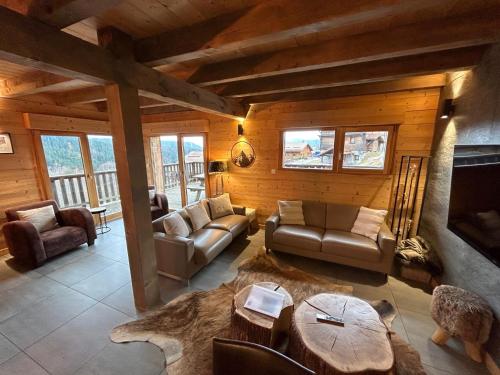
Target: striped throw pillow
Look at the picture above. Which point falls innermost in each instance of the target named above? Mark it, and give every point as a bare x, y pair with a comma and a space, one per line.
291, 212
368, 222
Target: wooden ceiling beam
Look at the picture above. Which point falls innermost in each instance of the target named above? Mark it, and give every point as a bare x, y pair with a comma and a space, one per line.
374, 71
277, 21
29, 42
60, 13
458, 32
404, 84
33, 83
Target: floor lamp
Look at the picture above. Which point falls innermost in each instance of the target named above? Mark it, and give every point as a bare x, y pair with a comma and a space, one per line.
218, 167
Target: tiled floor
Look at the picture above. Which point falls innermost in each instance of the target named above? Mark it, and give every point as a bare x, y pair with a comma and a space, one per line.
56, 319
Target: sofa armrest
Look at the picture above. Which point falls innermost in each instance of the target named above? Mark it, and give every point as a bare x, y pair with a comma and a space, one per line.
386, 240
80, 217
239, 210
272, 223
24, 242
173, 254
161, 201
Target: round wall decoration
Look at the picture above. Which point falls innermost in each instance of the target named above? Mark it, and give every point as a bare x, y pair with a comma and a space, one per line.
242, 154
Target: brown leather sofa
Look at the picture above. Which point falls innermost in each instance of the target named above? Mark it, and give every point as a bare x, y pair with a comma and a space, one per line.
26, 244
247, 358
180, 258
158, 205
327, 236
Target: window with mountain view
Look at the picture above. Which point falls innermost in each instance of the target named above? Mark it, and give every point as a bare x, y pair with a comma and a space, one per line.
308, 149
365, 150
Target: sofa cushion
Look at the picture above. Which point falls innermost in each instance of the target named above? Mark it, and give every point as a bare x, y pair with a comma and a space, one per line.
299, 236
291, 212
368, 222
62, 239
220, 206
43, 218
235, 224
350, 245
198, 215
208, 243
314, 213
340, 216
174, 224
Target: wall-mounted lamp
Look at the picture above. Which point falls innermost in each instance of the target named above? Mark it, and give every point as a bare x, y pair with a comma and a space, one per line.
218, 167
448, 109
240, 130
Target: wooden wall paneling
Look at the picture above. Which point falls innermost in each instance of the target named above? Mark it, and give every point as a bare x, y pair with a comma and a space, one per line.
176, 127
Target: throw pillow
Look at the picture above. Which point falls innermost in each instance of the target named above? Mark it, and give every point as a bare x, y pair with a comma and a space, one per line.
368, 222
220, 206
291, 212
174, 224
42, 218
198, 215
152, 196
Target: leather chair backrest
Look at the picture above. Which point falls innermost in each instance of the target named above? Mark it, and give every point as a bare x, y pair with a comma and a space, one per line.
11, 212
246, 358
314, 213
158, 224
341, 216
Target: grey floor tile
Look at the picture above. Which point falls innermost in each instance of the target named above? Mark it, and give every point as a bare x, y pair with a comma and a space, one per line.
105, 282
21, 364
170, 288
434, 371
215, 274
83, 268
26, 294
64, 259
123, 300
450, 357
69, 347
138, 358
38, 320
7, 349
11, 275
411, 298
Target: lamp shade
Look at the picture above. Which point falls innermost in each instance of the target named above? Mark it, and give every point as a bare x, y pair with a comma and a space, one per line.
217, 166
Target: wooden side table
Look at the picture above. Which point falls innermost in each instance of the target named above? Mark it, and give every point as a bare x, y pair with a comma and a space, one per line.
251, 214
248, 325
361, 345
103, 222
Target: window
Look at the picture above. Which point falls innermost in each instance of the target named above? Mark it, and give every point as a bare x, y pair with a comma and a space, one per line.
361, 149
365, 150
308, 149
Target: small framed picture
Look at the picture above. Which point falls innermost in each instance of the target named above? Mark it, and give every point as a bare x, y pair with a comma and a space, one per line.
6, 144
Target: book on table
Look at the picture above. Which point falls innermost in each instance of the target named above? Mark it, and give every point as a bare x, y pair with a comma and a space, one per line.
265, 301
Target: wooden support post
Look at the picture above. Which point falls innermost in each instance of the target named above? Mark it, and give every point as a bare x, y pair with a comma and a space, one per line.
126, 128
157, 164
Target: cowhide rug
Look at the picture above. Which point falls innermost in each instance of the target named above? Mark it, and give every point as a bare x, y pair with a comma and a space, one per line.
184, 328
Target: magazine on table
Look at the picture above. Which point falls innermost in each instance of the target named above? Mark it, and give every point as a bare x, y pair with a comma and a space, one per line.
265, 301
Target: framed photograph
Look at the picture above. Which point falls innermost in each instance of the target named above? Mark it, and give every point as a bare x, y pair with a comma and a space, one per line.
6, 144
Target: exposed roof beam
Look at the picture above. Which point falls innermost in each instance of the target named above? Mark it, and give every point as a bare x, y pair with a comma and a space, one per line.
33, 83
275, 21
60, 13
397, 42
28, 42
374, 71
404, 84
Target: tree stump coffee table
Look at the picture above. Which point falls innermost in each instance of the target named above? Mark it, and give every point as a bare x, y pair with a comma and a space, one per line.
361, 345
248, 325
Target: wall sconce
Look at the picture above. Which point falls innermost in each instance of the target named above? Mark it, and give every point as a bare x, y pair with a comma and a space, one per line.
240, 130
218, 167
448, 109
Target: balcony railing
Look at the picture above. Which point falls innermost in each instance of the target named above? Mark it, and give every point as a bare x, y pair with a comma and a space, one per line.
71, 190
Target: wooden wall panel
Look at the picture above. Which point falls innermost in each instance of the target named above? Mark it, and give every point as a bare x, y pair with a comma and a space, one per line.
414, 111
19, 180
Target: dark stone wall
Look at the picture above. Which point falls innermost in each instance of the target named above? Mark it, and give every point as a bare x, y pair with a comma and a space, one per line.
476, 121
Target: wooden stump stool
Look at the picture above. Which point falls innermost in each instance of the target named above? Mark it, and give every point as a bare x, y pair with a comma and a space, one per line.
248, 325
463, 314
361, 346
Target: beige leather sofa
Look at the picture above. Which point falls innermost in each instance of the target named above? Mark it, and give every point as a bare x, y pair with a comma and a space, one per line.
327, 236
180, 258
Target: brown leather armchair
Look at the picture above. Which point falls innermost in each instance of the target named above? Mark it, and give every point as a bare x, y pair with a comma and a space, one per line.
25, 243
247, 358
159, 204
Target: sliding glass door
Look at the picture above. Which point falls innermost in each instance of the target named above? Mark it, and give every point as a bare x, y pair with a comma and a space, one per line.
80, 170
104, 172
178, 163
66, 171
